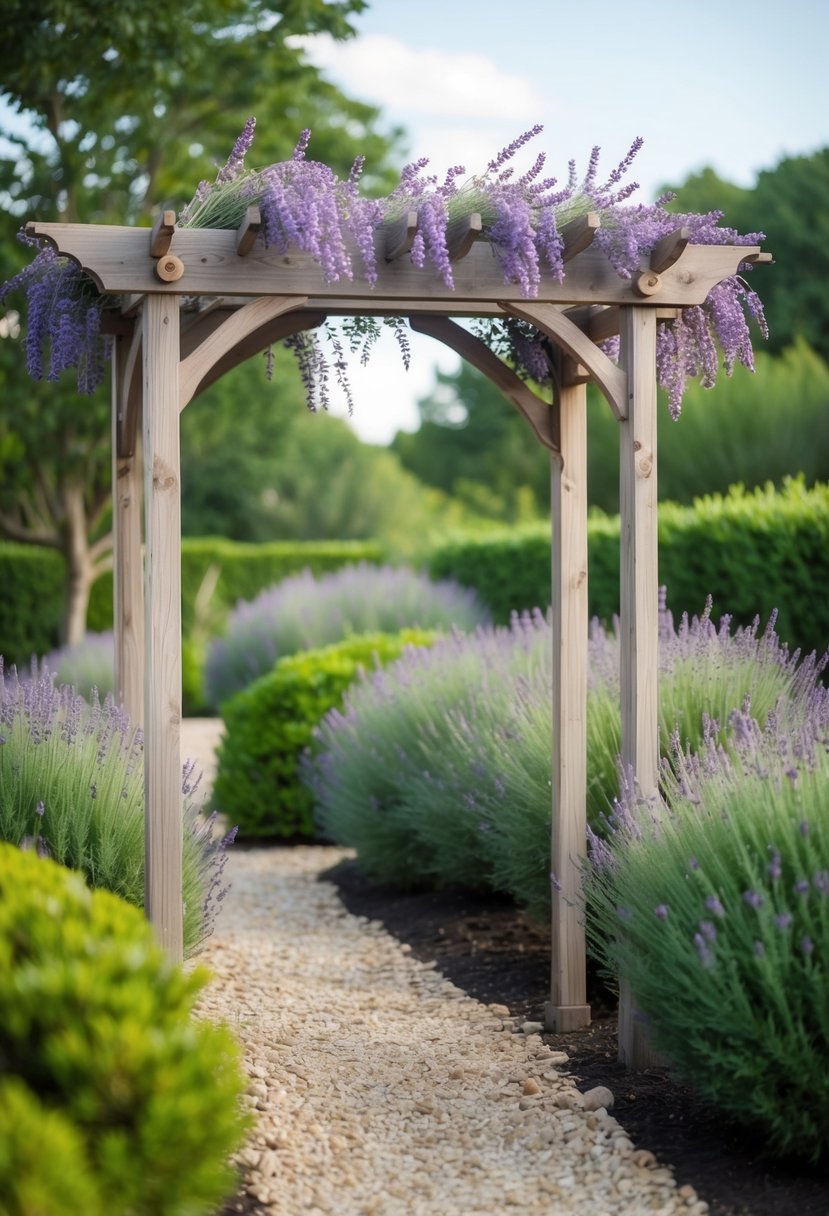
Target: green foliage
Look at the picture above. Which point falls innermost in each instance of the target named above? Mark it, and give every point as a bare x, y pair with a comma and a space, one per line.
474, 445
751, 429
788, 204
270, 724
115, 1100
30, 606
122, 116
72, 782
275, 469
715, 910
755, 552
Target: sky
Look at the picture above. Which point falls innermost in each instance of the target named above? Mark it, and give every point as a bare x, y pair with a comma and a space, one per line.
734, 84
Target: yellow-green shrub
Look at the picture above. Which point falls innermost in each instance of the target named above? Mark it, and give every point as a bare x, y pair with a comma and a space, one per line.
135, 1105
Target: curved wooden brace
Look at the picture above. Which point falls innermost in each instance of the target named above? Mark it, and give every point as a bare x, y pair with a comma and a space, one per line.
539, 413
547, 318
194, 369
260, 339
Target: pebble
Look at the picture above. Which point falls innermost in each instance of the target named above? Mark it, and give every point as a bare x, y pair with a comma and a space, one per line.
380, 1089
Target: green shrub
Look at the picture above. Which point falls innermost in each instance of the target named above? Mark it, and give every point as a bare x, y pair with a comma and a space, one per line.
88, 664
72, 781
714, 908
269, 725
32, 601
103, 1063
756, 552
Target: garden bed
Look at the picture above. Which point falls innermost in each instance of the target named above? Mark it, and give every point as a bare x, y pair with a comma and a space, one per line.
487, 947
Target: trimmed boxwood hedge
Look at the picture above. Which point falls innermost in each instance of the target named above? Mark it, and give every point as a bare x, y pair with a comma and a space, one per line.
269, 725
32, 582
753, 551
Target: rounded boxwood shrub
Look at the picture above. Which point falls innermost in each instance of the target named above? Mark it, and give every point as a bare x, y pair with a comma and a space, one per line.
113, 1099
269, 725
304, 611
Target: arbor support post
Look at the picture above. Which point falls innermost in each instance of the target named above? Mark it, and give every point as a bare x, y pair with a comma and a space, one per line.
567, 1008
639, 598
162, 602
128, 572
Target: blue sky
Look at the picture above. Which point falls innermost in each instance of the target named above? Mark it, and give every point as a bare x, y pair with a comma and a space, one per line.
729, 83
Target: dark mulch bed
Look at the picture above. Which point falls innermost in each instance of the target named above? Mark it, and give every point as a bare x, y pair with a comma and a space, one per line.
489, 949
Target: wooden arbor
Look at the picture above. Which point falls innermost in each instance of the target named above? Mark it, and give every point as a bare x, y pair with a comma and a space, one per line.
196, 302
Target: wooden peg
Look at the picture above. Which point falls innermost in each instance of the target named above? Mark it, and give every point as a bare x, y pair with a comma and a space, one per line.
248, 231
169, 268
461, 235
399, 235
648, 284
579, 233
669, 250
759, 259
162, 234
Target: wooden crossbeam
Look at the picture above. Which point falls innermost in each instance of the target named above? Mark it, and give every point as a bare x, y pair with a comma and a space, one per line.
579, 233
399, 235
248, 231
669, 249
162, 234
461, 235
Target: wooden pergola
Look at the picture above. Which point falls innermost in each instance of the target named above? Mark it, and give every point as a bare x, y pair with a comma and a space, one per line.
197, 302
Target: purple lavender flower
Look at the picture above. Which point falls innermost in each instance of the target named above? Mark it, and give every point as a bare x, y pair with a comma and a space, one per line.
661, 911
713, 904
774, 869
235, 162
708, 930
759, 950
820, 881
807, 945
801, 887
753, 898
783, 921
706, 955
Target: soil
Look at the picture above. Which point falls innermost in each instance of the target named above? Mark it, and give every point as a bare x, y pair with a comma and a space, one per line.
488, 947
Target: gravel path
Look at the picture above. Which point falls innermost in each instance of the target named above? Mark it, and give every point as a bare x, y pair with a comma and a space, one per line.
380, 1089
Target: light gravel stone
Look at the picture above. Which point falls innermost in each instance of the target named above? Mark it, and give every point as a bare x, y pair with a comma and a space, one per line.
380, 1089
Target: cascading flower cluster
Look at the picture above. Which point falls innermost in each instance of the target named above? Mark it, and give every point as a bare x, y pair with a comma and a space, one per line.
305, 206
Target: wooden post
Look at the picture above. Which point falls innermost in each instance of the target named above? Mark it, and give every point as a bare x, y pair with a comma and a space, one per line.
567, 1008
639, 595
162, 599
128, 573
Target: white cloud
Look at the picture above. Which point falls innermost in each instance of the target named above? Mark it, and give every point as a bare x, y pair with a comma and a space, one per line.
382, 70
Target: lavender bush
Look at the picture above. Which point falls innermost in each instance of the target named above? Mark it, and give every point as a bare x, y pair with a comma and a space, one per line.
439, 767
306, 611
713, 905
305, 206
72, 788
87, 665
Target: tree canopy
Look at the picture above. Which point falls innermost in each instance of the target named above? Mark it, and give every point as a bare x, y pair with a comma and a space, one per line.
788, 204
123, 109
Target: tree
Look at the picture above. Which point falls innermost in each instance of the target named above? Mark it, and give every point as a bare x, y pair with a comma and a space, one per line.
273, 471
788, 204
126, 107
474, 445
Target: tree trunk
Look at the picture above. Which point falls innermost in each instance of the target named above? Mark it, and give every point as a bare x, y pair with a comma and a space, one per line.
80, 566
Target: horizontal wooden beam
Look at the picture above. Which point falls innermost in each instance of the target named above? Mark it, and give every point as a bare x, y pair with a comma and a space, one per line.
116, 258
